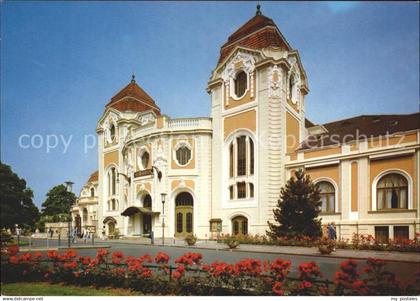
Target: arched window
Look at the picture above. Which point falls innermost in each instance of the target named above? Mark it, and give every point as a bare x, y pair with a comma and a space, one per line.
92, 192
184, 199
241, 155
327, 193
231, 162
291, 86
241, 82
241, 167
183, 155
145, 160
392, 192
85, 216
112, 181
147, 201
112, 131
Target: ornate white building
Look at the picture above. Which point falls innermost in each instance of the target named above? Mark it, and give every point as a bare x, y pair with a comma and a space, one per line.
224, 173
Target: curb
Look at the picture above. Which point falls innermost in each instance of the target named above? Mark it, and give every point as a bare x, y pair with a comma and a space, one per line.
64, 248
280, 253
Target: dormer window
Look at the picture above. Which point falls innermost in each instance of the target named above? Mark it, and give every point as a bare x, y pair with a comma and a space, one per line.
241, 83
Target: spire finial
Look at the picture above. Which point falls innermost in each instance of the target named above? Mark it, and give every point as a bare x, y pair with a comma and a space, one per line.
258, 13
133, 78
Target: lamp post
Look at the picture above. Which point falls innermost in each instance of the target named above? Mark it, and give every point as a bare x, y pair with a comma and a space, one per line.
163, 196
69, 186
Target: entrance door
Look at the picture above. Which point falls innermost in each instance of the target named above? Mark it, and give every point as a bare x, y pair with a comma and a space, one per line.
184, 206
240, 225
147, 223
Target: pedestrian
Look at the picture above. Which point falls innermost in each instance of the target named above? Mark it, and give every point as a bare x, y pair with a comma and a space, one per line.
103, 233
74, 234
332, 233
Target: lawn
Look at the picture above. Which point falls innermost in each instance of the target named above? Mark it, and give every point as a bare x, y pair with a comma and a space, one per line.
47, 289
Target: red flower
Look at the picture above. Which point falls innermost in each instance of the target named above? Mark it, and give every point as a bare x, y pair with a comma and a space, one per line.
52, 254
278, 288
162, 258
85, 260
116, 257
146, 273
146, 258
12, 250
206, 267
70, 265
250, 267
176, 275
37, 255
280, 268
25, 257
305, 284
101, 255
70, 254
13, 260
189, 259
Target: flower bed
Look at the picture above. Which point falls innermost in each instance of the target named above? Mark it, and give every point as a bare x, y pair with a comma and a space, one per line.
358, 242
190, 276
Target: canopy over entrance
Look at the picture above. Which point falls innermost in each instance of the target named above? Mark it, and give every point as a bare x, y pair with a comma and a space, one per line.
133, 210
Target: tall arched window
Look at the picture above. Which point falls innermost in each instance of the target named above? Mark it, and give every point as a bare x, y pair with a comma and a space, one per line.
112, 181
392, 192
327, 196
241, 167
147, 201
241, 82
85, 216
92, 192
291, 86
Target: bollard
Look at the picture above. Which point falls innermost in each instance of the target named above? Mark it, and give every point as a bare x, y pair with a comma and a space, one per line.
93, 239
173, 240
170, 273
152, 237
59, 239
18, 239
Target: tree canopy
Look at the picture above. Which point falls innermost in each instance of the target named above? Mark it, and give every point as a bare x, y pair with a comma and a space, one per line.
58, 201
16, 202
297, 209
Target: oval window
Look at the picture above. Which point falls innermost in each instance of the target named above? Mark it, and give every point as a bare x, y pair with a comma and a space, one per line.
145, 160
241, 82
112, 131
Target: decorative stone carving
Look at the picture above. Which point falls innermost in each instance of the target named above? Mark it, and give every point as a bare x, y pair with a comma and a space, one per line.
146, 119
274, 80
247, 62
111, 119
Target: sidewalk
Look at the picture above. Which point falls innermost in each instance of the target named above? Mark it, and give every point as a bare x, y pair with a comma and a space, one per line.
286, 250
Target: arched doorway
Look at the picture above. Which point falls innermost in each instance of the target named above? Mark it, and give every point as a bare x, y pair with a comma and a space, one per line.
239, 225
184, 205
147, 218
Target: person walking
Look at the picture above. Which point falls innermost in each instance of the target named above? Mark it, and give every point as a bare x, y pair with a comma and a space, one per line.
332, 233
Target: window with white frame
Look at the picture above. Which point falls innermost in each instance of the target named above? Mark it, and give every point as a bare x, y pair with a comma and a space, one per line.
327, 194
241, 167
145, 160
392, 192
183, 154
240, 83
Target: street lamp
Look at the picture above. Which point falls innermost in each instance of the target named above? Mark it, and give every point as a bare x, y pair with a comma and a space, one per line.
163, 196
69, 186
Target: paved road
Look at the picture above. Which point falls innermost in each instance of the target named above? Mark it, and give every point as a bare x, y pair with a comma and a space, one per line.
328, 265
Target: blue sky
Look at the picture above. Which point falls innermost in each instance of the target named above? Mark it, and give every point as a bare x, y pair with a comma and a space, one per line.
63, 61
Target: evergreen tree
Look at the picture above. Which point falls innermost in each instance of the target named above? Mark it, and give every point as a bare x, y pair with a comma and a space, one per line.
58, 202
16, 205
297, 210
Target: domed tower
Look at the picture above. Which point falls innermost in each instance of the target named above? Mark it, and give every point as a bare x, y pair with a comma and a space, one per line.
127, 111
257, 105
